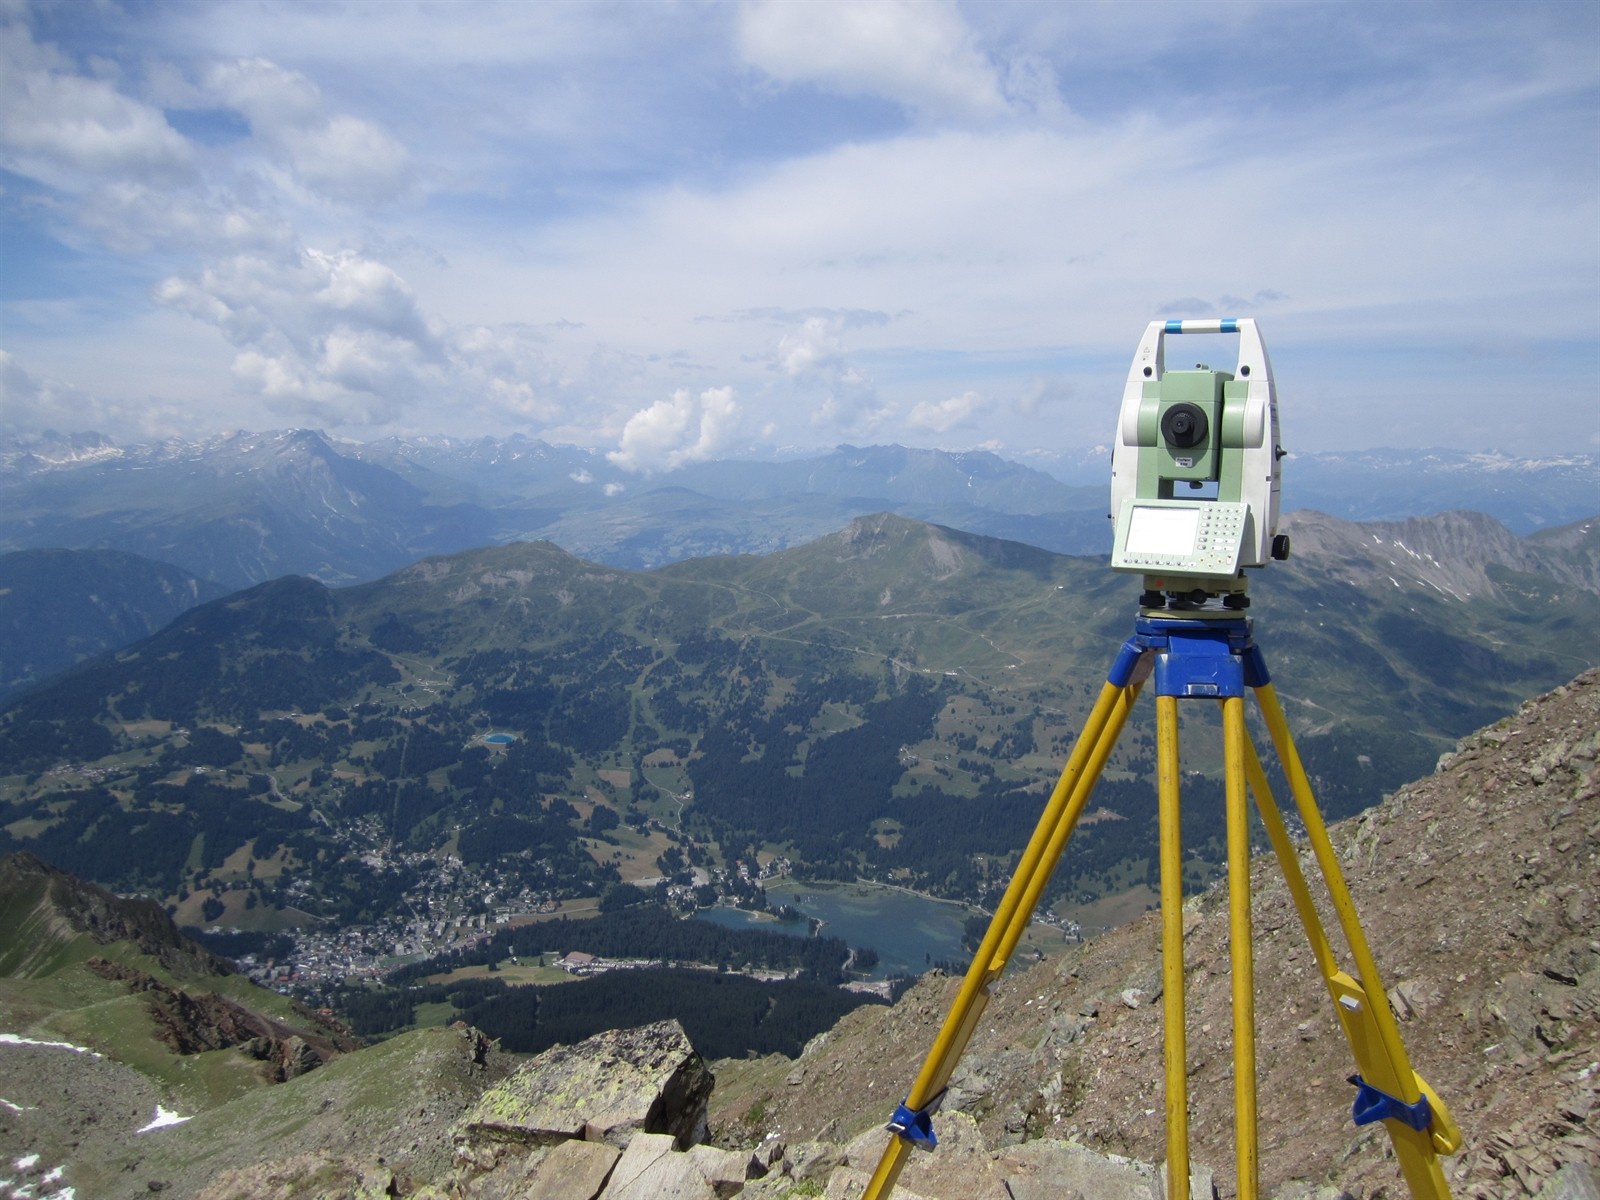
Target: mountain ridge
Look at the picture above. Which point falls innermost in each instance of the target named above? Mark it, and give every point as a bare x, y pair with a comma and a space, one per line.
44, 907
58, 607
243, 507
1454, 552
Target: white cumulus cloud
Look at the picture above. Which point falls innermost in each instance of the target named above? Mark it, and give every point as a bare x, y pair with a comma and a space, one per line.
334, 336
813, 356
941, 416
336, 155
812, 350
686, 428
70, 131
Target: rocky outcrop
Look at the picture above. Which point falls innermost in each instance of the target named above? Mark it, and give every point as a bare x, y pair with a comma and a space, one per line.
618, 1117
193, 1024
605, 1089
621, 1116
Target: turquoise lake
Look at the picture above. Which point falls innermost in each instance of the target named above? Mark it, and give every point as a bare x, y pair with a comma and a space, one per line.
910, 933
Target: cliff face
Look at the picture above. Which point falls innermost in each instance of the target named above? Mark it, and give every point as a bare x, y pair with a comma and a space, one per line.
1479, 890
197, 1022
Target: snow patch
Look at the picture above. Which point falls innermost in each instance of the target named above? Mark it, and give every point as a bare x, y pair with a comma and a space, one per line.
12, 1039
27, 1188
162, 1119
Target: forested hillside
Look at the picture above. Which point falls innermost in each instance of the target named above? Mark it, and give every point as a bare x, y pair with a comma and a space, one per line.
893, 701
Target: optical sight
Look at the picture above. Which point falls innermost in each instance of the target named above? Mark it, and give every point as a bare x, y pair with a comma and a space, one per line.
1194, 471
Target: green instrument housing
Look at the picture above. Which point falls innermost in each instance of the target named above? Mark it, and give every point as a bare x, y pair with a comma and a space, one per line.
1222, 399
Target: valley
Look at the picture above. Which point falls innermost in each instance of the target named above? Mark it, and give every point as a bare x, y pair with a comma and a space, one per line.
1494, 990
385, 773
490, 790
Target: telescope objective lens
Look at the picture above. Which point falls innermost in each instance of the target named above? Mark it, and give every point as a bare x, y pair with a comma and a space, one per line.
1184, 425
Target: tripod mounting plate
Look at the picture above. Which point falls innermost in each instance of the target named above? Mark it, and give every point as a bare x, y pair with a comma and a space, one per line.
1209, 657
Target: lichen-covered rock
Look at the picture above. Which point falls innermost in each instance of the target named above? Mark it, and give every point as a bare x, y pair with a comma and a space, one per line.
601, 1090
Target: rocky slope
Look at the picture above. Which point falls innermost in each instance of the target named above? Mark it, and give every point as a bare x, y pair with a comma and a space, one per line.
1478, 889
622, 1116
113, 1025
1457, 554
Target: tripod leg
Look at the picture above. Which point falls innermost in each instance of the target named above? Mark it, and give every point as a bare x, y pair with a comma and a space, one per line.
1240, 949
1361, 1004
1011, 918
1174, 1034
1289, 861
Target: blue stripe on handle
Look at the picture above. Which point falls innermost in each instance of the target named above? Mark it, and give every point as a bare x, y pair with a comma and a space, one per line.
1225, 325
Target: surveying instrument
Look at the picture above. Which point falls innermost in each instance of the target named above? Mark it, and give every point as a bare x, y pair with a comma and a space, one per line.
1194, 494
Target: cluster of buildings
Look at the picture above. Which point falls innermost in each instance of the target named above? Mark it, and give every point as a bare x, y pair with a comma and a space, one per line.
449, 906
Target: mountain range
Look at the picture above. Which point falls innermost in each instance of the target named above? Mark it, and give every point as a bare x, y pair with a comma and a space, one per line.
243, 508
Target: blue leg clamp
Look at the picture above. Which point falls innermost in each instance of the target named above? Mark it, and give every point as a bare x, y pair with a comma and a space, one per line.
916, 1127
1372, 1105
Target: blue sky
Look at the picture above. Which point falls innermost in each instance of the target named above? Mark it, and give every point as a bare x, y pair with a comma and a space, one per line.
676, 231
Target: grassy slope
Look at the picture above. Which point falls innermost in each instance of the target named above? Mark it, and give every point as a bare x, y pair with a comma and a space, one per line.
398, 1100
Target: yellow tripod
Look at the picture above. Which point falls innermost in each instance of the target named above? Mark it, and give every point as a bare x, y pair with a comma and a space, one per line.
1201, 655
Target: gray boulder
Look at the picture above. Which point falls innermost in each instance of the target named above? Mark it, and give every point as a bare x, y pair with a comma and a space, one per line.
571, 1171
605, 1089
652, 1169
